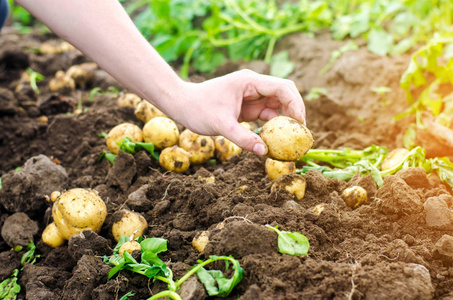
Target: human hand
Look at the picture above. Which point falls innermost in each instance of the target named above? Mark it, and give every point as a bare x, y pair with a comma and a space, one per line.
216, 106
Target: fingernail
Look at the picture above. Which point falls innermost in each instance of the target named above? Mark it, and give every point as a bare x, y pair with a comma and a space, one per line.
259, 149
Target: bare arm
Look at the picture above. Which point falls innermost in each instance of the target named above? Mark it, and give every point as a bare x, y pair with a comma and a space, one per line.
103, 31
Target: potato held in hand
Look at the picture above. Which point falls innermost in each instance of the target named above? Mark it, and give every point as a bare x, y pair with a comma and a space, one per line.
74, 210
286, 138
121, 131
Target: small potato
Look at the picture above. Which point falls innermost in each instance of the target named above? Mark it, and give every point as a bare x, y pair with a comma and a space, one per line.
61, 83
276, 168
174, 159
78, 209
131, 224
130, 247
292, 183
247, 125
226, 149
145, 111
52, 48
121, 131
82, 74
286, 138
200, 241
52, 236
394, 158
201, 147
129, 99
162, 132
354, 196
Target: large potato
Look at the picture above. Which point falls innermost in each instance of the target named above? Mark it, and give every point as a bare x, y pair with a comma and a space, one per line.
175, 159
201, 147
286, 138
276, 168
121, 131
78, 209
162, 132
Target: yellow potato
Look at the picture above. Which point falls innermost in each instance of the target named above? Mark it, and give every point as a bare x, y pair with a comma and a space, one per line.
52, 236
121, 131
276, 168
201, 147
292, 183
82, 74
162, 132
200, 241
225, 149
174, 159
354, 196
129, 99
129, 246
61, 83
131, 224
286, 138
78, 209
145, 111
394, 158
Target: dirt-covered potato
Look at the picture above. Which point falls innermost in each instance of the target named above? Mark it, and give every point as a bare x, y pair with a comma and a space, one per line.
129, 99
292, 183
130, 247
145, 111
121, 131
162, 132
200, 241
130, 223
61, 83
354, 196
82, 74
286, 138
53, 48
275, 168
74, 210
201, 147
225, 149
175, 159
394, 158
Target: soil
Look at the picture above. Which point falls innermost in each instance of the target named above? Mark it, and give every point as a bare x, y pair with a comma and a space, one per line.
396, 246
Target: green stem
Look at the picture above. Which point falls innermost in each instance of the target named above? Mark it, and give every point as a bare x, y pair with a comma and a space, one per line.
270, 49
170, 294
245, 17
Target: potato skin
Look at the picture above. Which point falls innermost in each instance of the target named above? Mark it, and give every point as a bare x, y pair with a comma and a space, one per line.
394, 158
78, 209
145, 111
130, 247
131, 224
121, 131
292, 183
175, 159
162, 132
226, 149
201, 147
61, 83
354, 196
286, 138
129, 100
276, 168
52, 236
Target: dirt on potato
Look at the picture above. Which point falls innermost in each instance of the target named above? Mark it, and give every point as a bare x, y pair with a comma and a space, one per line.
396, 246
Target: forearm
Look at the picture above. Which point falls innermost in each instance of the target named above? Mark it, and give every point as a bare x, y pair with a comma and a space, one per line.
103, 31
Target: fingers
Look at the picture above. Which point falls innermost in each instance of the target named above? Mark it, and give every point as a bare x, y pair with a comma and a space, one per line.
283, 90
245, 138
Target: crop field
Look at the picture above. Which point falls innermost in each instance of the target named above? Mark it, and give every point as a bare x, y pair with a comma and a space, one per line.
102, 196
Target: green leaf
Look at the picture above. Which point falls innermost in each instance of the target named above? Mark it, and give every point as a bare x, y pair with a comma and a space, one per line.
281, 66
29, 256
379, 42
292, 243
109, 156
9, 288
126, 296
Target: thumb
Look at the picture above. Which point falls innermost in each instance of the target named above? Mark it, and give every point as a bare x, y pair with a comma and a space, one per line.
246, 139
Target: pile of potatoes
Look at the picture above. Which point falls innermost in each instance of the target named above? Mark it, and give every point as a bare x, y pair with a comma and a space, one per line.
178, 148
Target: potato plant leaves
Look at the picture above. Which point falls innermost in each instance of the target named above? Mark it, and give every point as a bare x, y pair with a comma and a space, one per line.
9, 288
292, 243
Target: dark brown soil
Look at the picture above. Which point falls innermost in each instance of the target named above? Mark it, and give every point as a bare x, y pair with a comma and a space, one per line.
396, 246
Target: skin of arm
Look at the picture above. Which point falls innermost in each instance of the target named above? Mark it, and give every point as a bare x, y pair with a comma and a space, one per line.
103, 31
